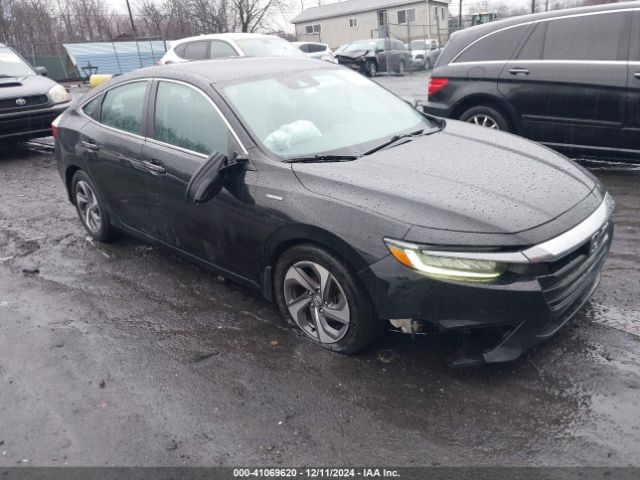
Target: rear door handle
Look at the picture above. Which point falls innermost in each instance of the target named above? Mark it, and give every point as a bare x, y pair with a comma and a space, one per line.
519, 71
154, 168
89, 145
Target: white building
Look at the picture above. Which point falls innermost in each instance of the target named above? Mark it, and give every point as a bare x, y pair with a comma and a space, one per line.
340, 23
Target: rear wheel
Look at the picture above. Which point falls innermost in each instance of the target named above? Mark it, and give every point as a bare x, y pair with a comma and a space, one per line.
90, 208
320, 296
487, 117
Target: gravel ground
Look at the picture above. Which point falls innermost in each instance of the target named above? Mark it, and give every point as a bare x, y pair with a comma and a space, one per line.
125, 354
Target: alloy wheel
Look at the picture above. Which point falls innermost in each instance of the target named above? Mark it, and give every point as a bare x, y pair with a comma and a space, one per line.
483, 120
88, 207
317, 302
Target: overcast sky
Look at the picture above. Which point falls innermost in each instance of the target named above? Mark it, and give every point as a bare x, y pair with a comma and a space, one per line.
284, 21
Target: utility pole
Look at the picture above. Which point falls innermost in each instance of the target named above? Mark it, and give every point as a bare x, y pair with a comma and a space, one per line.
460, 16
133, 25
533, 6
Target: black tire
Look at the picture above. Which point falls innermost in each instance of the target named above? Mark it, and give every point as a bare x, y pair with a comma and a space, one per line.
402, 68
371, 68
481, 111
105, 232
363, 328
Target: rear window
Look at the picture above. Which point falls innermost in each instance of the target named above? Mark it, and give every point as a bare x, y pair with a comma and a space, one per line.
315, 48
123, 107
592, 37
497, 46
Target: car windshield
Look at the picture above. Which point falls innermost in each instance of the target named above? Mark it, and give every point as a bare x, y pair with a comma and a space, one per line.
11, 65
355, 46
268, 47
418, 44
321, 112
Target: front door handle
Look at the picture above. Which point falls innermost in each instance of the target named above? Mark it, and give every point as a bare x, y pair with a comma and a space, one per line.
637, 74
519, 71
154, 167
89, 145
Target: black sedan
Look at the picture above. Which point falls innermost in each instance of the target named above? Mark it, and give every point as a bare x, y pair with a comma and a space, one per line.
340, 201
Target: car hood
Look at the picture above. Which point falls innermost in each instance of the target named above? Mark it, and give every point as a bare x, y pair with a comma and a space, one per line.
465, 179
354, 54
25, 86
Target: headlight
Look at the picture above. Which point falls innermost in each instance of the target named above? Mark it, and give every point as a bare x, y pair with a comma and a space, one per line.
58, 94
439, 265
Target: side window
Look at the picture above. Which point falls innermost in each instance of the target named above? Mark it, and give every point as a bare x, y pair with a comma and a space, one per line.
91, 108
122, 107
184, 117
179, 50
222, 50
316, 48
197, 50
532, 49
498, 46
591, 37
304, 47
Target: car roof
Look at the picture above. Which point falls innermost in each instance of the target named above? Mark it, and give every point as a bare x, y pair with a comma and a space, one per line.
222, 36
460, 39
308, 43
230, 69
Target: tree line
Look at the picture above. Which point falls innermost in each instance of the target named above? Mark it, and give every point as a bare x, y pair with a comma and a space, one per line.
45, 22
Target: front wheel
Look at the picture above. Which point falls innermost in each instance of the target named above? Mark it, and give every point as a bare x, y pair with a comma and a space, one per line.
487, 117
320, 296
371, 69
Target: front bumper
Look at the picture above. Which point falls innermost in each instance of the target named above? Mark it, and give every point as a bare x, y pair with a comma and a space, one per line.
355, 64
31, 123
527, 305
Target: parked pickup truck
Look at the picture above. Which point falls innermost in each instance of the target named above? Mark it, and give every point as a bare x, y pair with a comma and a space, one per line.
424, 53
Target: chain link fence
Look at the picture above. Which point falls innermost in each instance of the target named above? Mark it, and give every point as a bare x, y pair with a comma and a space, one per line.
77, 61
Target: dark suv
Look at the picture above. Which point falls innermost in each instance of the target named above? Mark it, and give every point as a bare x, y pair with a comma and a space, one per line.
29, 101
569, 79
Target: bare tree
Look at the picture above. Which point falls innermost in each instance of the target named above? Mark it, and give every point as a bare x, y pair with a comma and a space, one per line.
252, 14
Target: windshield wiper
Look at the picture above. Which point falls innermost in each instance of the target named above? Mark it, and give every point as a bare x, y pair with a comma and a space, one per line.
401, 136
323, 158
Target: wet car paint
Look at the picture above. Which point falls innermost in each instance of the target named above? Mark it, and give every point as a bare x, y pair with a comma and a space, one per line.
198, 372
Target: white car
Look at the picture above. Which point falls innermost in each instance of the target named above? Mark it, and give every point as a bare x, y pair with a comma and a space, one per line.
223, 45
424, 53
319, 51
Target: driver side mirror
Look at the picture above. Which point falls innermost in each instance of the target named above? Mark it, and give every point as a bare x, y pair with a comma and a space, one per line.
42, 71
211, 177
